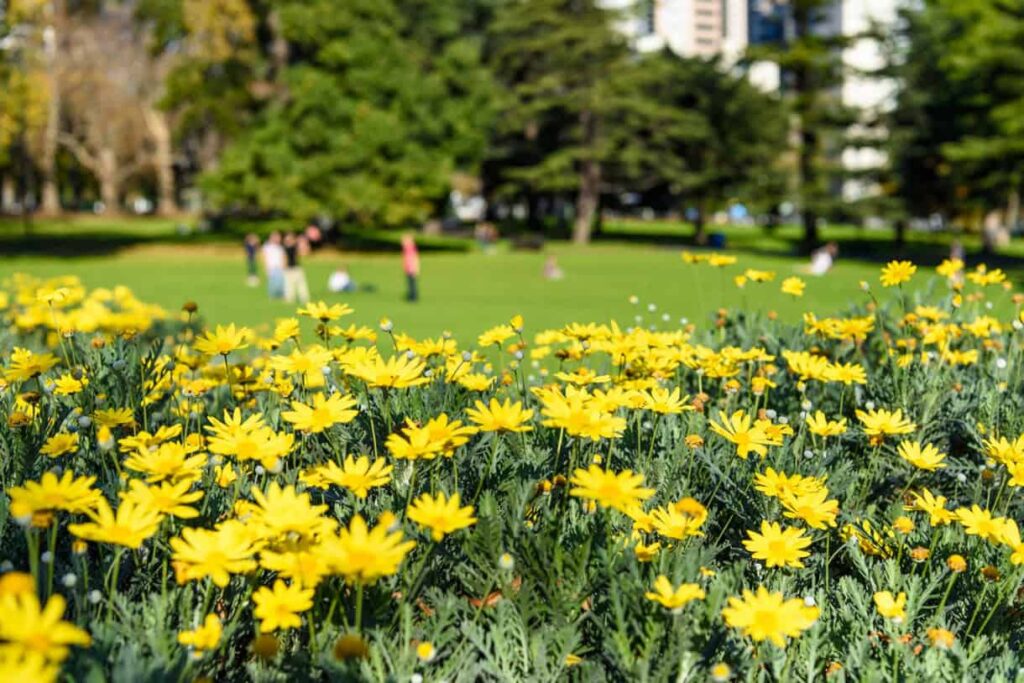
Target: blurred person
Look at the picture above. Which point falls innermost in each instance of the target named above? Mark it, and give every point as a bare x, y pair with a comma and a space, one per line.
340, 281
274, 261
314, 235
252, 245
411, 266
295, 286
552, 271
823, 259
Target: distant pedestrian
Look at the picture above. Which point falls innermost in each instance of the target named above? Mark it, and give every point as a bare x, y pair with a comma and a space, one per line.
274, 262
823, 259
252, 245
552, 271
411, 266
295, 286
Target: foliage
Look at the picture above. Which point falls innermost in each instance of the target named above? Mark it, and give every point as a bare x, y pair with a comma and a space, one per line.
368, 130
682, 128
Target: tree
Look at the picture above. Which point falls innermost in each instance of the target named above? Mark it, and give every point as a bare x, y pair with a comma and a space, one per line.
697, 133
810, 61
933, 108
102, 81
365, 130
557, 59
988, 48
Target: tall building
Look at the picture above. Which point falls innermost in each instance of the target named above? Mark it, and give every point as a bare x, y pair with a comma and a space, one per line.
706, 28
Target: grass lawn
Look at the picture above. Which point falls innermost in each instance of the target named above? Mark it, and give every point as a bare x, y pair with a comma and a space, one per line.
466, 293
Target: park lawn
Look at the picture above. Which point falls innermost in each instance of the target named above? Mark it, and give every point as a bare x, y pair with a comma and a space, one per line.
467, 293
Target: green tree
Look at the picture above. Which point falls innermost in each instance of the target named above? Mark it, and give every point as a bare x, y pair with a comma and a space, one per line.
810, 61
696, 132
369, 127
557, 59
987, 48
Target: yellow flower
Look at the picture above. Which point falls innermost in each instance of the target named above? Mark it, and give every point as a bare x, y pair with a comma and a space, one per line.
679, 520
278, 608
25, 365
781, 485
949, 268
820, 425
897, 272
978, 521
426, 651
618, 490
324, 413
442, 515
132, 524
646, 552
224, 340
880, 423
956, 563
793, 286
22, 665
203, 638
67, 385
776, 546
769, 616
68, 493
926, 458
399, 372
738, 430
812, 508
500, 417
170, 461
324, 312
114, 417
216, 553
941, 638
38, 630
672, 597
167, 498
890, 606
363, 555
935, 506
902, 524
496, 336
664, 402
60, 444
357, 475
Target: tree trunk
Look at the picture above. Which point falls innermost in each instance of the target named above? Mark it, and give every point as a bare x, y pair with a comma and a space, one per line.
700, 235
163, 161
901, 232
8, 193
50, 200
810, 221
109, 177
590, 182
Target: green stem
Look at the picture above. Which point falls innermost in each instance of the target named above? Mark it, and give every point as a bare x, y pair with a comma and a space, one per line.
359, 608
487, 472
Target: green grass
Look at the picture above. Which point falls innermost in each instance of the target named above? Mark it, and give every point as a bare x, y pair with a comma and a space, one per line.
466, 293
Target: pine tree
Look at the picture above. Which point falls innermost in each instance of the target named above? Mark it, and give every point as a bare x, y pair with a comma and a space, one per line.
557, 59
694, 132
810, 61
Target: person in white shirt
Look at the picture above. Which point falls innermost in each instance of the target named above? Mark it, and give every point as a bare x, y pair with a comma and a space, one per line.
823, 259
340, 281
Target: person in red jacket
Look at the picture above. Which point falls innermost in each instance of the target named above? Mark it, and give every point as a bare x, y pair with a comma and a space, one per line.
411, 266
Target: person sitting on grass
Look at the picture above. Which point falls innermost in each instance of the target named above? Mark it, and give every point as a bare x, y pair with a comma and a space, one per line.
340, 281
